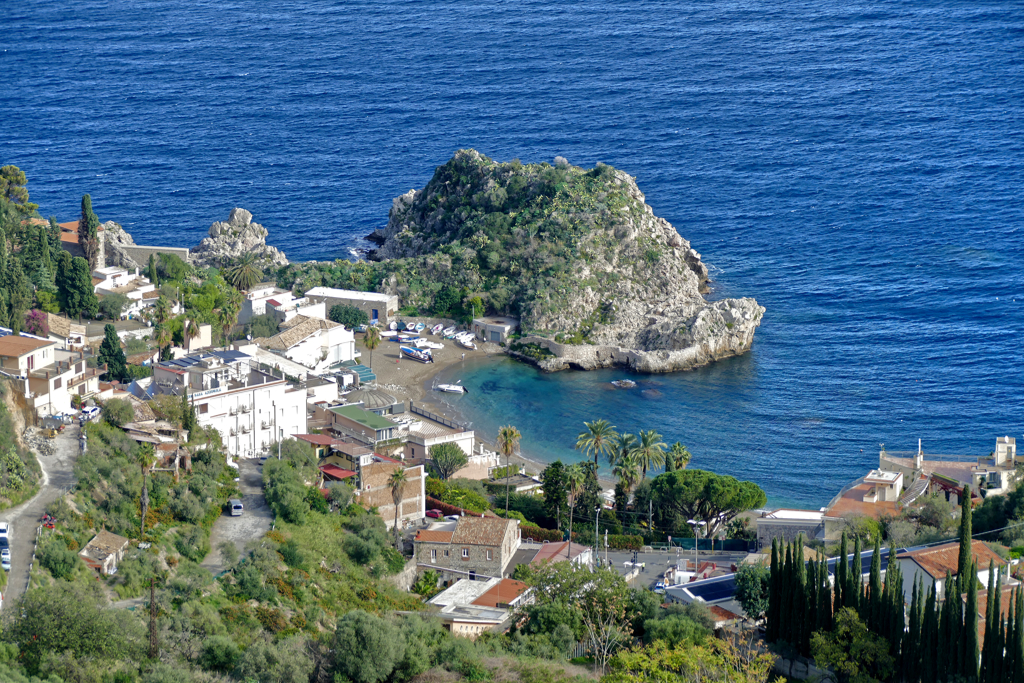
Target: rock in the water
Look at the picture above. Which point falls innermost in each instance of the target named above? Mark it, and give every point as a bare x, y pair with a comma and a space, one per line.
229, 240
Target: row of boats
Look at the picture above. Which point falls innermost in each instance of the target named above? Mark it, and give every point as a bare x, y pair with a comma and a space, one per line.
410, 336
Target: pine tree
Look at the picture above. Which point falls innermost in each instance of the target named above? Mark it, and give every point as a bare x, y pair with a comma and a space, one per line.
969, 659
964, 560
112, 355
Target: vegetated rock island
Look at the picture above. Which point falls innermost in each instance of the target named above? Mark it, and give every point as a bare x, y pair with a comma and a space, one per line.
596, 279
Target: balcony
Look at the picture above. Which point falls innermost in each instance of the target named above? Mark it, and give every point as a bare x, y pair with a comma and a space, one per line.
265, 425
233, 432
244, 409
245, 429
232, 412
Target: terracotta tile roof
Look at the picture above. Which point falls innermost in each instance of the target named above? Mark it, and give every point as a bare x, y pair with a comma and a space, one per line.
96, 281
852, 502
503, 593
299, 319
140, 358
429, 536
1005, 597
103, 545
942, 558
556, 552
318, 439
336, 472
155, 294
295, 334
15, 347
481, 530
722, 614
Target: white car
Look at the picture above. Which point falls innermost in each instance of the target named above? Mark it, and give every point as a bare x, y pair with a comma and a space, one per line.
5, 559
90, 412
5, 530
452, 518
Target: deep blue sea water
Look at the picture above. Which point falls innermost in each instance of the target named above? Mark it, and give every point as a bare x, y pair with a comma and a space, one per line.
857, 167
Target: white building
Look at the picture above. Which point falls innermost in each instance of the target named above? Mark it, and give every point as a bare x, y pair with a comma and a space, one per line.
46, 375
255, 302
380, 307
314, 343
284, 310
114, 280
251, 409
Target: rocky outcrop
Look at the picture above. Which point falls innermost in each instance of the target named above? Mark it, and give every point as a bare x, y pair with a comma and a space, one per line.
231, 239
578, 254
115, 239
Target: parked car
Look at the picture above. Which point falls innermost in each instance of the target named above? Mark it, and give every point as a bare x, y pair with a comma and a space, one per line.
236, 507
435, 514
5, 530
90, 412
452, 518
5, 559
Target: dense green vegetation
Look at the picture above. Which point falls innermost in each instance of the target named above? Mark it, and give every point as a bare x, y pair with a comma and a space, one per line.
503, 237
19, 469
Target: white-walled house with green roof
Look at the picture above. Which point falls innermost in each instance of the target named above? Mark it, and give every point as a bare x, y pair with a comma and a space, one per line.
361, 424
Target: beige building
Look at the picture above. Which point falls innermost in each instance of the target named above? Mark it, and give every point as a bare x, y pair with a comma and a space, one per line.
379, 307
104, 552
470, 608
48, 375
373, 489
494, 328
66, 333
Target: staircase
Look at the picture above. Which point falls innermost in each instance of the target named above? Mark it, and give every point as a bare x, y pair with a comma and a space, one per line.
915, 491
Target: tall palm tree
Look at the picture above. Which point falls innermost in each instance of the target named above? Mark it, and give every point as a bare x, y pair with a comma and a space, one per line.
575, 478
245, 274
627, 471
227, 315
371, 340
650, 452
621, 446
162, 310
397, 482
191, 332
508, 443
597, 439
677, 458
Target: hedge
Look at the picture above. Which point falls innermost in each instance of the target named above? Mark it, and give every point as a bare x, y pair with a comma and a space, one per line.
435, 504
615, 541
538, 534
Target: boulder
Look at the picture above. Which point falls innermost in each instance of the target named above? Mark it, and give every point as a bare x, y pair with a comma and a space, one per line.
231, 239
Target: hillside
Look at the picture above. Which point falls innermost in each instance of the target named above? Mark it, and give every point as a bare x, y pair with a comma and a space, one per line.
595, 277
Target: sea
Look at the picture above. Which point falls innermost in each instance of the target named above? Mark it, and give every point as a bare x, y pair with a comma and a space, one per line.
857, 167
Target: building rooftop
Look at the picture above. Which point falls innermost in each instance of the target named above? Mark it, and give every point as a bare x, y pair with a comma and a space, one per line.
63, 327
434, 536
502, 594
363, 417
945, 558
882, 477
497, 320
103, 545
463, 592
372, 399
481, 530
852, 502
332, 293
794, 515
556, 552
15, 347
336, 472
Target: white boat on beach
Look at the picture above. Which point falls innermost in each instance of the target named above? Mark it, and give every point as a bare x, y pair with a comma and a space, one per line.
424, 344
419, 327
393, 326
388, 334
419, 355
466, 343
456, 388
448, 331
436, 329
411, 327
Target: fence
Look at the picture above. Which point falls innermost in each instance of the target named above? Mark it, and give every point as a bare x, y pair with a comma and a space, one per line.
730, 545
451, 424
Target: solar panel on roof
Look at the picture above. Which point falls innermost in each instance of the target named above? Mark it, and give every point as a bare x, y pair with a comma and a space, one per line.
712, 590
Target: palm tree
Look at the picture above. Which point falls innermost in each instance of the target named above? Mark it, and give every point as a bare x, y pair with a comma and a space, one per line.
621, 446
371, 340
677, 458
245, 274
397, 482
227, 315
508, 443
597, 440
575, 478
191, 332
162, 310
650, 452
627, 471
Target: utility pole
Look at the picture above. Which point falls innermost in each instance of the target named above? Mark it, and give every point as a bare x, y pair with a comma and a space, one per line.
597, 518
650, 516
154, 646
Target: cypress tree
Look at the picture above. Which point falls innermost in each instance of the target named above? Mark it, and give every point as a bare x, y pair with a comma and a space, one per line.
811, 618
112, 355
824, 598
841, 571
1010, 658
947, 644
929, 639
969, 660
910, 661
88, 232
785, 598
799, 609
772, 625
892, 607
991, 650
1018, 644
155, 279
856, 578
874, 606
964, 560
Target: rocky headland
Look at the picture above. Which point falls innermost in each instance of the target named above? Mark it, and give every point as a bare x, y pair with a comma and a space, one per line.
230, 240
595, 277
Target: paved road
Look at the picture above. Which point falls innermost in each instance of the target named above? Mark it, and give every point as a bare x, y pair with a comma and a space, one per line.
58, 472
253, 523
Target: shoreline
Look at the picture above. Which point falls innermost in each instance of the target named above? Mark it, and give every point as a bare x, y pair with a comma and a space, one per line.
408, 379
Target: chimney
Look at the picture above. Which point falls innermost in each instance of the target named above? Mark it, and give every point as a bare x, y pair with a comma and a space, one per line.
919, 458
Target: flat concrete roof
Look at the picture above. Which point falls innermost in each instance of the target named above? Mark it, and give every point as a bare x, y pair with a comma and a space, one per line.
332, 293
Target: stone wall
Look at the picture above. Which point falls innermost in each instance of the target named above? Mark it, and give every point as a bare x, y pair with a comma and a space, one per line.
787, 532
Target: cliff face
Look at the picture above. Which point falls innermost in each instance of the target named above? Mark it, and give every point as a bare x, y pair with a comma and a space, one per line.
578, 255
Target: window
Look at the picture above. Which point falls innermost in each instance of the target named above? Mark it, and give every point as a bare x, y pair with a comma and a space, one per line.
56, 383
433, 555
204, 409
465, 553
78, 367
489, 557
446, 553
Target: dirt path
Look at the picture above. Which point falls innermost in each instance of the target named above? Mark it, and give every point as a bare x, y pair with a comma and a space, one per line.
58, 473
253, 523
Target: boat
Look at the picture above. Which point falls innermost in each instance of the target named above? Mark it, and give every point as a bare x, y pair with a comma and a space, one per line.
624, 383
466, 343
436, 329
448, 331
418, 355
393, 326
411, 327
388, 334
430, 345
420, 327
456, 388
360, 328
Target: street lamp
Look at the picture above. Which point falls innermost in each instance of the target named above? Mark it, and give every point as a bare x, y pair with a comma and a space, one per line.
696, 524
597, 526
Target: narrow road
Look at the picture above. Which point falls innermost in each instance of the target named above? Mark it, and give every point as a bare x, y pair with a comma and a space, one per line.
254, 522
58, 472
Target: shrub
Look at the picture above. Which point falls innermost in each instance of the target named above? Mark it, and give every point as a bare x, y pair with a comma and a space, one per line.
349, 316
56, 557
193, 542
219, 654
118, 412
